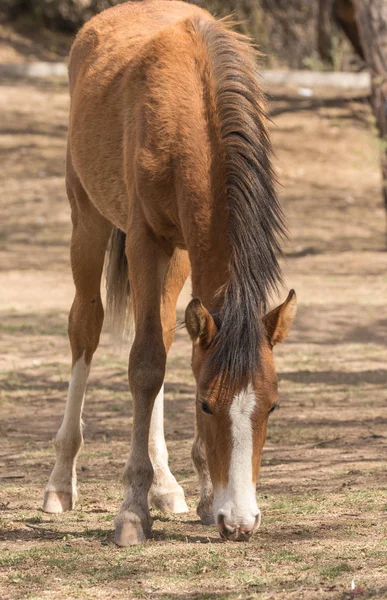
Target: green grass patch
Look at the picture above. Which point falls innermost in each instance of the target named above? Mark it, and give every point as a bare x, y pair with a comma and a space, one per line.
335, 570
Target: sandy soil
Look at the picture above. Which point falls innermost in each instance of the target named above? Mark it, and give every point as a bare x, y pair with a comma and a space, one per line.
323, 480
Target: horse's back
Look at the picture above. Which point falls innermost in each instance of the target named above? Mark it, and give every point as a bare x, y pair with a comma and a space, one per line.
112, 38
114, 71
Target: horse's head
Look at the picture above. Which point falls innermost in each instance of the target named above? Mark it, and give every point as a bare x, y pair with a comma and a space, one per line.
232, 422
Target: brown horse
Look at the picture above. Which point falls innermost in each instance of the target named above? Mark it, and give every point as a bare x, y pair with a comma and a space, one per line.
169, 158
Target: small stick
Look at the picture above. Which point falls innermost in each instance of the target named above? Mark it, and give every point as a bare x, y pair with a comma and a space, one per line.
40, 528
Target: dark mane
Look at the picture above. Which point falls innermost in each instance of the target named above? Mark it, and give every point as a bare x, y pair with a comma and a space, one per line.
256, 222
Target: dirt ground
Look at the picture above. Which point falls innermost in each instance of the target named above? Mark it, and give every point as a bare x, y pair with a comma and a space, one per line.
24, 40
322, 487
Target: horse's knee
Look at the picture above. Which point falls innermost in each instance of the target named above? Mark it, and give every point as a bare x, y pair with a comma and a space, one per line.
147, 368
146, 380
139, 473
68, 443
84, 325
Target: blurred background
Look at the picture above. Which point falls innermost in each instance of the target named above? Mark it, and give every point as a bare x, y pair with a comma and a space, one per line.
323, 477
286, 31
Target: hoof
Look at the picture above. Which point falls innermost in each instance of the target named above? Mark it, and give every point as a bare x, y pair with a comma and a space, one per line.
129, 530
205, 514
173, 502
58, 502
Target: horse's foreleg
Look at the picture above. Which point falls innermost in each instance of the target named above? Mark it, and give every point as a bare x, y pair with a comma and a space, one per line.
165, 493
88, 245
204, 508
147, 268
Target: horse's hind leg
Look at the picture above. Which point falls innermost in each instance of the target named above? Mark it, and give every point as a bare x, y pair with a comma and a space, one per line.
165, 493
88, 244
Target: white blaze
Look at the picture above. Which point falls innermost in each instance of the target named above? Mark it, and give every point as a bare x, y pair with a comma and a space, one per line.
237, 502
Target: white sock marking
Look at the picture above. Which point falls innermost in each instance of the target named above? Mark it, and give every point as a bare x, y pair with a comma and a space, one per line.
157, 446
69, 436
163, 480
75, 395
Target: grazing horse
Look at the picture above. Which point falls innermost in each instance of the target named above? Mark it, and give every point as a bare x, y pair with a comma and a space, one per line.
169, 159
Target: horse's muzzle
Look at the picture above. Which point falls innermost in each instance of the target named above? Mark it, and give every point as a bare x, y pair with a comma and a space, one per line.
238, 533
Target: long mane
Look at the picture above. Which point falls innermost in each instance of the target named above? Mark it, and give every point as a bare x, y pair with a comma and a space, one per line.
256, 223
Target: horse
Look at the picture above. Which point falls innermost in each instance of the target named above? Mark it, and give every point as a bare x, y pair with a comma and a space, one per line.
169, 172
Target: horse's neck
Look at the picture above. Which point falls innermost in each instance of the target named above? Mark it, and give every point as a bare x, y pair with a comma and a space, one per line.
202, 205
206, 283
209, 256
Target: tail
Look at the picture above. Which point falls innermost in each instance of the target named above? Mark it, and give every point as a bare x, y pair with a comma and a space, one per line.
117, 285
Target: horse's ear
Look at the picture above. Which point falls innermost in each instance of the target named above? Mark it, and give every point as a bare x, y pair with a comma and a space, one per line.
278, 321
200, 324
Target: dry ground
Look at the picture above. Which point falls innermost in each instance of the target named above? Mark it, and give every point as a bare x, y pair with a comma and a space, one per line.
323, 479
24, 40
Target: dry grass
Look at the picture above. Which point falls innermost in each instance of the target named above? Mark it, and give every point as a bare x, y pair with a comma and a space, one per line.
322, 487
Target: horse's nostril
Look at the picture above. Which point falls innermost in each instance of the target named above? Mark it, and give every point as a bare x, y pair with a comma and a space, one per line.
257, 522
226, 532
220, 520
245, 535
221, 526
237, 533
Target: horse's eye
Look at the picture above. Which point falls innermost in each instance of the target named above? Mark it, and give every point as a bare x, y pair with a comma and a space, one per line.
272, 409
206, 408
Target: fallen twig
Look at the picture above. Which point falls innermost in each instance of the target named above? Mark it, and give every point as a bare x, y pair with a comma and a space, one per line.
40, 528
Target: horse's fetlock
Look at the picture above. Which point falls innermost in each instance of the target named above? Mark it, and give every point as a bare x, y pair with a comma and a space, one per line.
68, 446
139, 475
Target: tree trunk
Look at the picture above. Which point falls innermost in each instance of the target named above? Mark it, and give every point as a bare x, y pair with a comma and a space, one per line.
371, 18
325, 27
334, 15
344, 13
